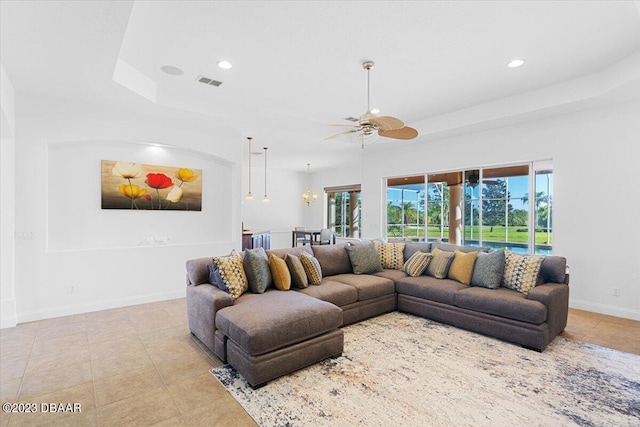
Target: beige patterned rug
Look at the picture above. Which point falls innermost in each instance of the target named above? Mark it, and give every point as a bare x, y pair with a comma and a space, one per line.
402, 370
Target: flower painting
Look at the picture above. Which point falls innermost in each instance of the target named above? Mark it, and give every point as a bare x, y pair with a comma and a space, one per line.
137, 186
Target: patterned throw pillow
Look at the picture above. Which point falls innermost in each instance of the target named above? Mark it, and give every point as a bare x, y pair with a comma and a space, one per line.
462, 266
521, 271
488, 270
312, 268
298, 275
232, 274
417, 263
439, 265
391, 255
364, 259
256, 268
279, 273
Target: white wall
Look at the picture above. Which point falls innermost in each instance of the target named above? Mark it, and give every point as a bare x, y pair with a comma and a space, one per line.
75, 243
595, 162
7, 202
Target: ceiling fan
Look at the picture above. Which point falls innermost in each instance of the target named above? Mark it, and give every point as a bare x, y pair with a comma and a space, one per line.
473, 178
369, 123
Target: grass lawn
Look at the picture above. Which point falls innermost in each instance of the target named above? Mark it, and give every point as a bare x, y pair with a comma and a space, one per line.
489, 234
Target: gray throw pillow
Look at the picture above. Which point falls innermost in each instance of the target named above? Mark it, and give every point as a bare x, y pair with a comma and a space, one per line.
256, 267
215, 278
488, 270
364, 259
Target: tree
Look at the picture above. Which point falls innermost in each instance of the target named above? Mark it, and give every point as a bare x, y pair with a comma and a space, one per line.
494, 203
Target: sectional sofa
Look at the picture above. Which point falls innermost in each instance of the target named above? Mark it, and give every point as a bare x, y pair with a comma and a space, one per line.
269, 332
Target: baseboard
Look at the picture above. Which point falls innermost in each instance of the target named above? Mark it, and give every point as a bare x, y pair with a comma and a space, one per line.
8, 310
611, 310
30, 316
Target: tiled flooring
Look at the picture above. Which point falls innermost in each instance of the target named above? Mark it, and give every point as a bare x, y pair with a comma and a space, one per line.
140, 366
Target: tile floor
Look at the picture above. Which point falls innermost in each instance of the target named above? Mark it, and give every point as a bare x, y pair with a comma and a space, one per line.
140, 366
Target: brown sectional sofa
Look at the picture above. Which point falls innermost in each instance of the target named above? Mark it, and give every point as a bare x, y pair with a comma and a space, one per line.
267, 335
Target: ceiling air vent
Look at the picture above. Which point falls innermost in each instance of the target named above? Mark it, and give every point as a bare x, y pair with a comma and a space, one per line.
351, 119
208, 81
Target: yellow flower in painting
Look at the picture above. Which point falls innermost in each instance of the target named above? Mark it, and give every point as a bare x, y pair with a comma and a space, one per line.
186, 175
127, 170
175, 195
132, 191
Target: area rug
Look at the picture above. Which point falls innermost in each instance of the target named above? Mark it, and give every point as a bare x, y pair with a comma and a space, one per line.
402, 370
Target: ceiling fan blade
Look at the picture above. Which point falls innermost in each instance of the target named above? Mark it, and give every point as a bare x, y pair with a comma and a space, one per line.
387, 123
341, 133
403, 133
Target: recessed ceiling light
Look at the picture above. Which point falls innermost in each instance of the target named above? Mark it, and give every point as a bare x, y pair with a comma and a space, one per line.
375, 111
170, 69
225, 65
515, 63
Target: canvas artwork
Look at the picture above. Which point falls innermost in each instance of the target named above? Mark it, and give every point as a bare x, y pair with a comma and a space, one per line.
138, 186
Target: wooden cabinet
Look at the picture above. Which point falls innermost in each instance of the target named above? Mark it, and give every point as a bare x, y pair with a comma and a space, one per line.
252, 239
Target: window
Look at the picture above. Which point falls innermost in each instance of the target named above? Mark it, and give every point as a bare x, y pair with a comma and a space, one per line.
405, 208
343, 213
489, 207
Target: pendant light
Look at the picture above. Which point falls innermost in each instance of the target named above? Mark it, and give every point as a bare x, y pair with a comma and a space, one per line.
307, 196
265, 198
249, 194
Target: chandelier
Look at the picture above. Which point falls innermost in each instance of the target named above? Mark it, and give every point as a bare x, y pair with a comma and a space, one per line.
307, 196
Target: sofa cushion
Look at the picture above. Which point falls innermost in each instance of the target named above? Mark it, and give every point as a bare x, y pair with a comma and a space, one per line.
368, 286
336, 293
263, 323
461, 268
502, 302
232, 273
298, 275
333, 259
521, 271
553, 269
256, 268
417, 263
411, 247
391, 254
198, 270
279, 273
391, 274
364, 258
311, 268
440, 263
489, 268
430, 288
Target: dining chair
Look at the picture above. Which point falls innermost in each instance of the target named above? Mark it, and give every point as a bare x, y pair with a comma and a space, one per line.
324, 238
301, 236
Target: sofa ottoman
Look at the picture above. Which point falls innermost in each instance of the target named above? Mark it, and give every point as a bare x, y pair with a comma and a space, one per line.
296, 331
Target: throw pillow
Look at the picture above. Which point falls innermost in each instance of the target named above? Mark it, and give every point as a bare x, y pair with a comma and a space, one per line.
439, 265
311, 268
279, 273
256, 268
232, 274
462, 266
214, 277
391, 255
417, 263
488, 270
298, 275
521, 271
364, 259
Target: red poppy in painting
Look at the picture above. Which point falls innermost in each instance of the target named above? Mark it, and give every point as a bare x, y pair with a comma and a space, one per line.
158, 181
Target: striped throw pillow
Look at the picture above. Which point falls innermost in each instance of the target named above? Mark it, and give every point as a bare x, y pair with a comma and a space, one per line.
296, 269
417, 263
439, 265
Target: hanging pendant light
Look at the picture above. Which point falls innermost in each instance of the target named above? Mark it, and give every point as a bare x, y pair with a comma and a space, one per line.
265, 198
307, 196
249, 194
